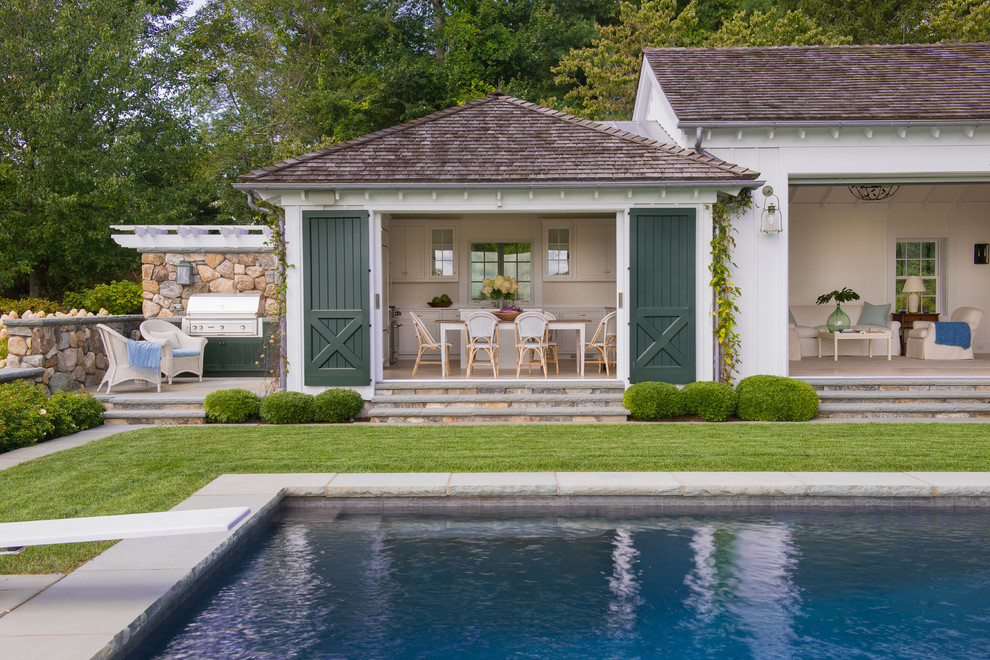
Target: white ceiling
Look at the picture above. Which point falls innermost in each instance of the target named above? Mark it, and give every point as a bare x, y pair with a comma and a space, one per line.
913, 193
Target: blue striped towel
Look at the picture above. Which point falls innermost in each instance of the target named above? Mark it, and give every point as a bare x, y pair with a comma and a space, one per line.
952, 334
145, 357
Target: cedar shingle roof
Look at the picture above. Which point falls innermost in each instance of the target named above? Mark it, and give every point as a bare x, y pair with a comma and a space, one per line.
499, 140
806, 83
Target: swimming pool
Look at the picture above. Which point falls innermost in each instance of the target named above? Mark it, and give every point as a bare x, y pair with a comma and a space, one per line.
808, 584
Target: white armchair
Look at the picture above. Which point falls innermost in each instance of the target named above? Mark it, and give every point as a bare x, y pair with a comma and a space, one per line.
181, 353
921, 338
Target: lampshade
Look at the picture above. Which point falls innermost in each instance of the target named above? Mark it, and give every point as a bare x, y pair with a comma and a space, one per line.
913, 284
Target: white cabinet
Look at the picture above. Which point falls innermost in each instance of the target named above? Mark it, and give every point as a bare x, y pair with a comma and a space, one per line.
594, 252
407, 252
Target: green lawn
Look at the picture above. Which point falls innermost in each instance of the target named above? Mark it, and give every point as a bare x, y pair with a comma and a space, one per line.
154, 469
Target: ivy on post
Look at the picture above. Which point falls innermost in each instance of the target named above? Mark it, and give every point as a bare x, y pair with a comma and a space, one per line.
277, 359
724, 291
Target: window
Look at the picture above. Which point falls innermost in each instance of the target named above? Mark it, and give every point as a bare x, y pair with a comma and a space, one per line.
489, 260
917, 258
442, 249
558, 251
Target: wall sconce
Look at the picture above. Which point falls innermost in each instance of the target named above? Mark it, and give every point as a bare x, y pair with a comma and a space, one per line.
981, 253
183, 272
771, 222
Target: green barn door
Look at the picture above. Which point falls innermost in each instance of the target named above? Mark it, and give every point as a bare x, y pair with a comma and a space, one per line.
336, 321
662, 289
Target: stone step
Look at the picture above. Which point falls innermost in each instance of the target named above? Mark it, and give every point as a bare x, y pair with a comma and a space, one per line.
829, 384
494, 387
153, 416
114, 402
904, 409
570, 401
904, 395
496, 415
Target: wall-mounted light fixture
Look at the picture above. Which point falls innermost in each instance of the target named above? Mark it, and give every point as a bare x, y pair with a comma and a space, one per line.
183, 272
771, 221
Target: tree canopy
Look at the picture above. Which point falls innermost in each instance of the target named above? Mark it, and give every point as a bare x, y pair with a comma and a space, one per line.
123, 112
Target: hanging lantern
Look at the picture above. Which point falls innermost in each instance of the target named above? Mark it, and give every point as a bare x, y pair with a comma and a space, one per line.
183, 272
771, 220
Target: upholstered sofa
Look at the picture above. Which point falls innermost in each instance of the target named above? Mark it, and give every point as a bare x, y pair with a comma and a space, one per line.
808, 319
921, 338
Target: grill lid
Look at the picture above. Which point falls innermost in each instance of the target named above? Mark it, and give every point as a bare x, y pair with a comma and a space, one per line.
224, 305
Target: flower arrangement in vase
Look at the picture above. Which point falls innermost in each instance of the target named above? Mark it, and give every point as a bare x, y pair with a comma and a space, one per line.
838, 320
501, 290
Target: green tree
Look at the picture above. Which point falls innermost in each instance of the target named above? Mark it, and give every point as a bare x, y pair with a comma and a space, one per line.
874, 22
603, 76
88, 138
960, 21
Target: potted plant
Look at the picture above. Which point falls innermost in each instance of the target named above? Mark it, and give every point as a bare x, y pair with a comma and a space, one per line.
838, 320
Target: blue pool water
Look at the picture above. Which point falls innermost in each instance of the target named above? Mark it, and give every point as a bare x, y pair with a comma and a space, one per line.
855, 584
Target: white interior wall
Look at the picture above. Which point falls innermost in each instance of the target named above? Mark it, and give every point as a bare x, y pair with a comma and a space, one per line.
843, 243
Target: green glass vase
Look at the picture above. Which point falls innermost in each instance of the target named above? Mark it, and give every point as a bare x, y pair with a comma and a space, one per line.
838, 320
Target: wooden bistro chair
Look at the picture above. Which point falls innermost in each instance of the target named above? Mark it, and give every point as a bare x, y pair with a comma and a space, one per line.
428, 343
602, 344
531, 341
481, 333
552, 352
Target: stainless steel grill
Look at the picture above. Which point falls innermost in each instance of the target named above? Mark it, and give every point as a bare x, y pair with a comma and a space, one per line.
223, 315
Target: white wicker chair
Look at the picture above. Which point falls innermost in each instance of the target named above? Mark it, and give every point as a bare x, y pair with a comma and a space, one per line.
481, 331
531, 340
426, 343
181, 353
603, 344
119, 369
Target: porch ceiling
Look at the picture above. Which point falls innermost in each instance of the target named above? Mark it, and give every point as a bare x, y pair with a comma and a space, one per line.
920, 193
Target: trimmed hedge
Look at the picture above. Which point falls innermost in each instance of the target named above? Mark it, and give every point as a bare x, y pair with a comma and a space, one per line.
776, 399
711, 401
651, 400
234, 406
70, 412
337, 405
287, 408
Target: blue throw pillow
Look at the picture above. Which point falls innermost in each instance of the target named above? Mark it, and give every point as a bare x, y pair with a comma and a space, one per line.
874, 314
184, 352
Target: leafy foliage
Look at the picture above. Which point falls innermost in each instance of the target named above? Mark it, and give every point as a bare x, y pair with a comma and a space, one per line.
70, 412
839, 295
711, 401
959, 21
118, 297
726, 292
233, 406
287, 408
23, 418
337, 405
92, 132
776, 399
650, 400
22, 305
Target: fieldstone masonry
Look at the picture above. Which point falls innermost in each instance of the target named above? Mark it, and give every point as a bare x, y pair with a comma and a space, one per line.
68, 349
243, 272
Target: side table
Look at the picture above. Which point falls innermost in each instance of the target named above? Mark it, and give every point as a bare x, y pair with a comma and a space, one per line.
907, 320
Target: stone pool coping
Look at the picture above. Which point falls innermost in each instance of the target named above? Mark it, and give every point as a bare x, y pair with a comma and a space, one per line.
97, 610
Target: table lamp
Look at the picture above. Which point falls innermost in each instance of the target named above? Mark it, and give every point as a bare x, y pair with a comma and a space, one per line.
913, 285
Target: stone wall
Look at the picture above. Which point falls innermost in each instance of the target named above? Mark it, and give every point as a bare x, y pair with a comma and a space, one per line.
68, 349
244, 272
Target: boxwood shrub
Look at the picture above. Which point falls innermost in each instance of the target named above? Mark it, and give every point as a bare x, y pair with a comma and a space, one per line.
711, 401
234, 406
651, 400
287, 408
24, 421
70, 412
776, 399
337, 405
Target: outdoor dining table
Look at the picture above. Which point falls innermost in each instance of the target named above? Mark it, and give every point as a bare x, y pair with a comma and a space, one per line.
577, 326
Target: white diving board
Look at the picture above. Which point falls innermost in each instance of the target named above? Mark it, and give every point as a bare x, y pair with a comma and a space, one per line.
15, 536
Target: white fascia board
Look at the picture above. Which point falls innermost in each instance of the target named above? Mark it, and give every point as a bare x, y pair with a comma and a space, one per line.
653, 105
848, 135
192, 238
609, 200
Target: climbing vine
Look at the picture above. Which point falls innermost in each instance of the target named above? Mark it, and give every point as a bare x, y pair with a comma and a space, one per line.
725, 291
276, 359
